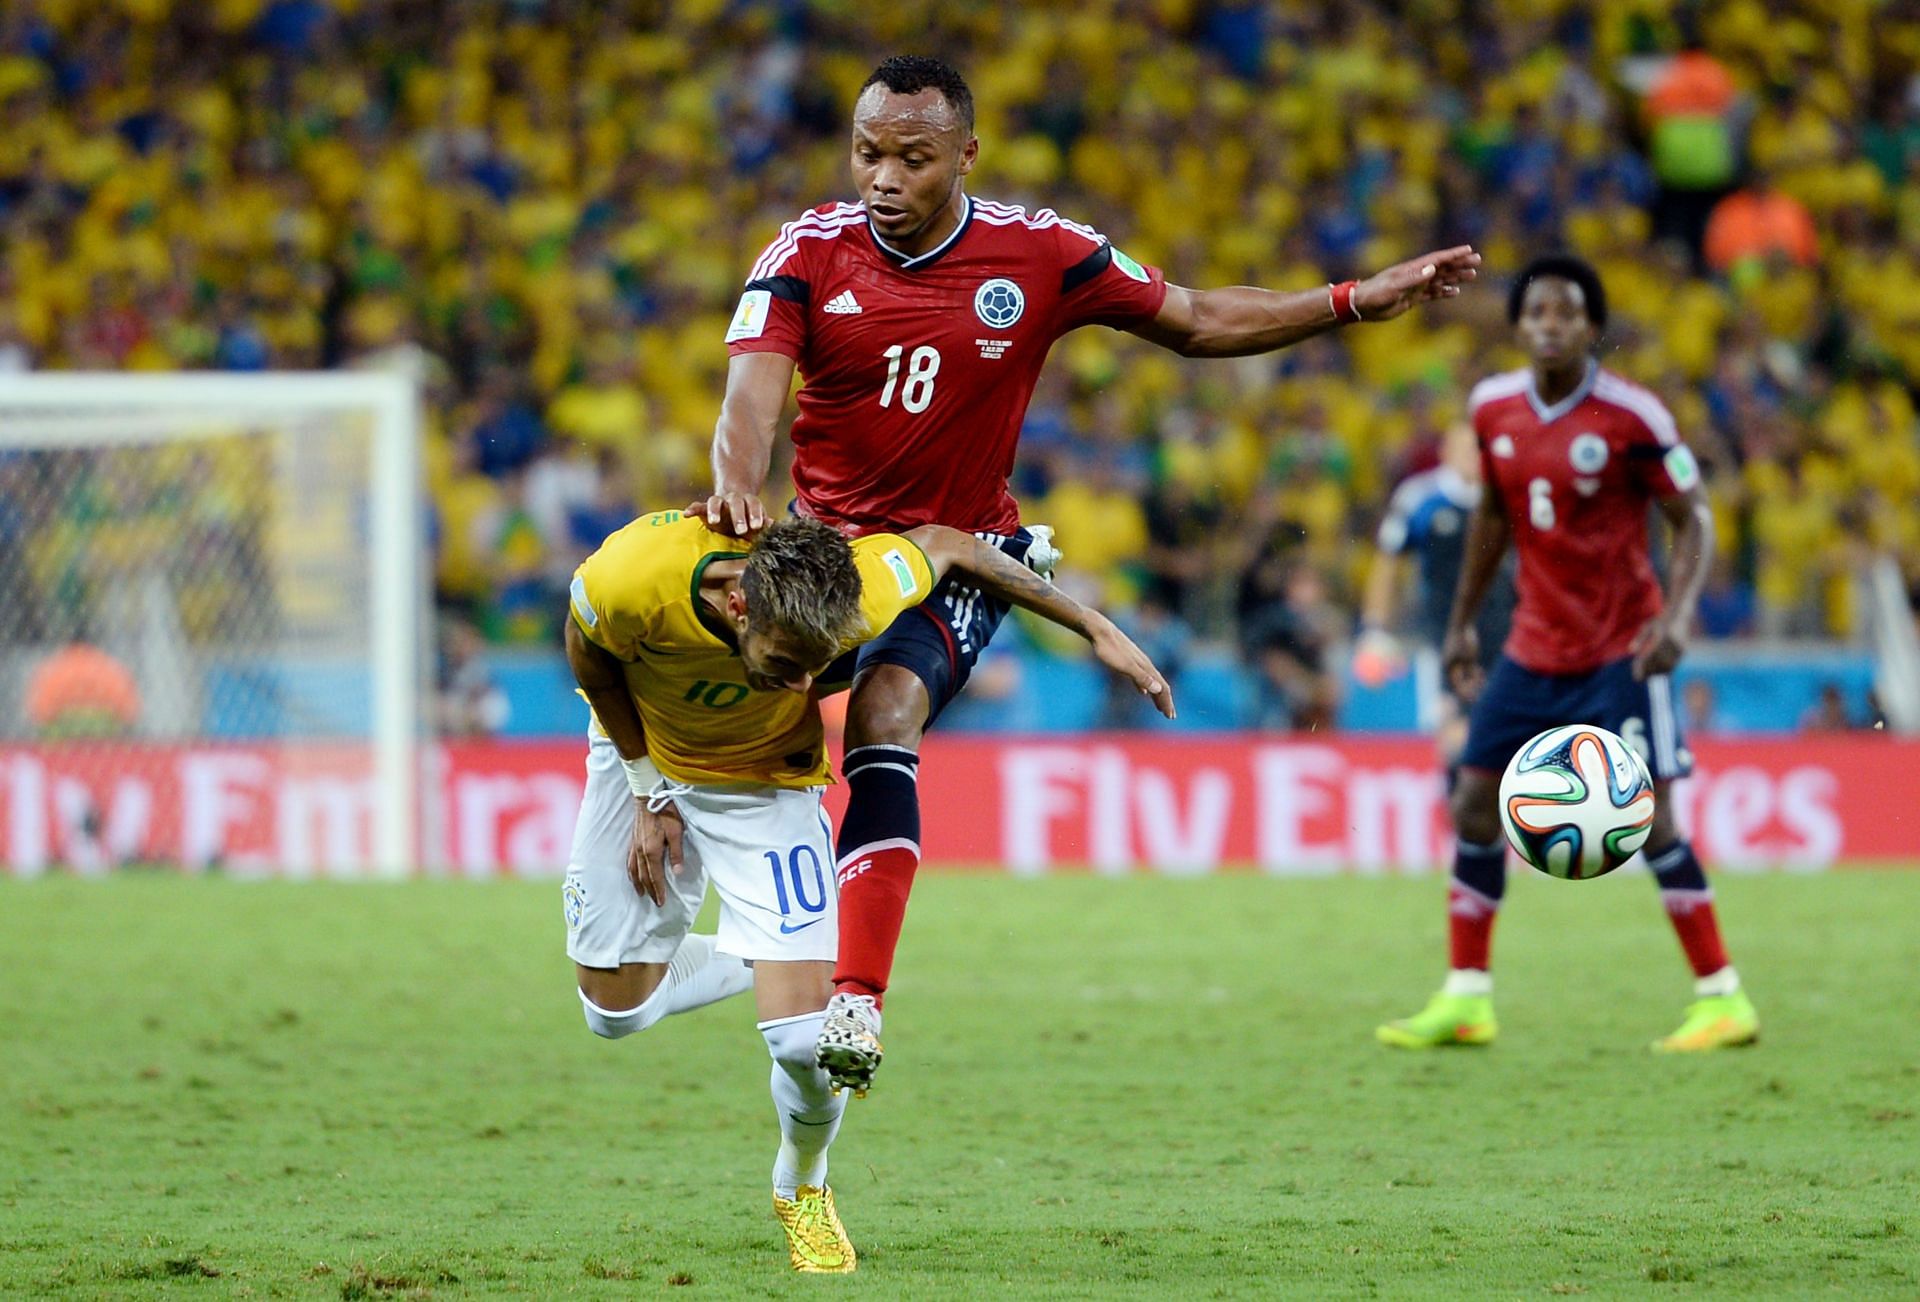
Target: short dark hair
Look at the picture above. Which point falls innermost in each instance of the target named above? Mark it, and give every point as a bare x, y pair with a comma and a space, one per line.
1561, 266
909, 74
800, 578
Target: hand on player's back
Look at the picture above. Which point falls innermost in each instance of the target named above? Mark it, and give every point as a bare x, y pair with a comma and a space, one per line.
1460, 661
1658, 646
736, 513
1386, 294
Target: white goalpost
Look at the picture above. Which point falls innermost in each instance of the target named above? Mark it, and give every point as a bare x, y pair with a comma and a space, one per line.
213, 610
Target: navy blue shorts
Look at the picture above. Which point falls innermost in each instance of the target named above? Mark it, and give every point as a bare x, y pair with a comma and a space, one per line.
1516, 704
940, 639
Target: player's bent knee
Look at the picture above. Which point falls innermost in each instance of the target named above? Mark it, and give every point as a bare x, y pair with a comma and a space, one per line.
791, 1041
889, 706
614, 1023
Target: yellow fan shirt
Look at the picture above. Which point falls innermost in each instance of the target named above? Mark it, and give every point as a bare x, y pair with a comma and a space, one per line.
638, 597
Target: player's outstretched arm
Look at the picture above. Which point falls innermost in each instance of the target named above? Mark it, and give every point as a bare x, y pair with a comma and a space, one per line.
757, 386
1488, 534
1657, 648
1240, 320
999, 575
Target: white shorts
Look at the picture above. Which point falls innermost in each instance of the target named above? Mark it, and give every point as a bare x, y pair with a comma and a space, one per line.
767, 850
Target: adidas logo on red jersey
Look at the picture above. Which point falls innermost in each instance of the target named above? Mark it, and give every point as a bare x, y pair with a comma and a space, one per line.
842, 304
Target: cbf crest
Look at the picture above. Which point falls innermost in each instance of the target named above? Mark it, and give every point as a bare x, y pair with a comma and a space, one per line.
1588, 453
999, 302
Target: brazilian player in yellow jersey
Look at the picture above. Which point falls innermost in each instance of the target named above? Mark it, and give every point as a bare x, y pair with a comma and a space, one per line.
708, 698
703, 655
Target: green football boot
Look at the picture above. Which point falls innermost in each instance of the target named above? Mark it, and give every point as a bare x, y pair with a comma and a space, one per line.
1447, 1019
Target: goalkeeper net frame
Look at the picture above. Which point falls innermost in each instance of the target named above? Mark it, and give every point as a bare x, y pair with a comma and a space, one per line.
370, 483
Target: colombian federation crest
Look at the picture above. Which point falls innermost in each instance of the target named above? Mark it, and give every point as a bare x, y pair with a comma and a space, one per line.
1588, 453
999, 302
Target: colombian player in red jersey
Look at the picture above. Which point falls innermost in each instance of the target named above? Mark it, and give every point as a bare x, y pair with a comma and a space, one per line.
1571, 456
919, 318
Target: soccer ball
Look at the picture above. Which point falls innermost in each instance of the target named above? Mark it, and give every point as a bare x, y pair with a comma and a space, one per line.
1576, 802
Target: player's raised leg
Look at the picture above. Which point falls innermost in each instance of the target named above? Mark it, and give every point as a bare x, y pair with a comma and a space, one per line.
878, 850
876, 859
906, 678
1461, 1011
621, 1000
1721, 1015
635, 961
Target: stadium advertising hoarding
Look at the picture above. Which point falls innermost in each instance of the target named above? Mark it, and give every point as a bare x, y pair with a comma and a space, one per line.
1115, 803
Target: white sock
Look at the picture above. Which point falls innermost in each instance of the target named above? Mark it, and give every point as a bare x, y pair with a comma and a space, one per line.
1468, 981
1723, 982
697, 976
803, 1100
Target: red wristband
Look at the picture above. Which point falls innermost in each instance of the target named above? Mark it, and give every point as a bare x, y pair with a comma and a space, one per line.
1341, 296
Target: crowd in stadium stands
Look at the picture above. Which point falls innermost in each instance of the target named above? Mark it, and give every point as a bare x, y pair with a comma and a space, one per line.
547, 209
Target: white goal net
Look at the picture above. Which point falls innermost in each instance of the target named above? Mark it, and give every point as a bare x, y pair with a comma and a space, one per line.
211, 622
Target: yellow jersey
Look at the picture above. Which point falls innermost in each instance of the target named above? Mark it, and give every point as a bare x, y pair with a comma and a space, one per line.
638, 597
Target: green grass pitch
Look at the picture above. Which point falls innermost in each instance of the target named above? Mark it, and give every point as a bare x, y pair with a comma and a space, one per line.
1094, 1088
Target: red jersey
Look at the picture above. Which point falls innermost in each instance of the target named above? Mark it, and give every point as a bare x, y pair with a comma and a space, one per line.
1575, 480
917, 371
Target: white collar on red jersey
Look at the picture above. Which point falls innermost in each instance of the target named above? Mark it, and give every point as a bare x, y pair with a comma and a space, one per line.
920, 260
1548, 414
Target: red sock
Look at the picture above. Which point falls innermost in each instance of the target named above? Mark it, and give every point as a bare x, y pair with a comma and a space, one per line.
1470, 918
1698, 928
874, 883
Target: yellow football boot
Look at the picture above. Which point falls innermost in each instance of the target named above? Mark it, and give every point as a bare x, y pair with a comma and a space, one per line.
816, 1240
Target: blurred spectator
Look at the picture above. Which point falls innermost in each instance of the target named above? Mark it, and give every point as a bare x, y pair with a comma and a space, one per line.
526, 596
506, 430
1690, 112
81, 692
1100, 524
1756, 224
605, 407
1726, 602
611, 508
471, 703
992, 698
1287, 630
1183, 522
565, 486
1830, 713
1699, 707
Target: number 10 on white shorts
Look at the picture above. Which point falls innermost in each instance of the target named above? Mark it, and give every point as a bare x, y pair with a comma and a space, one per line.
768, 852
